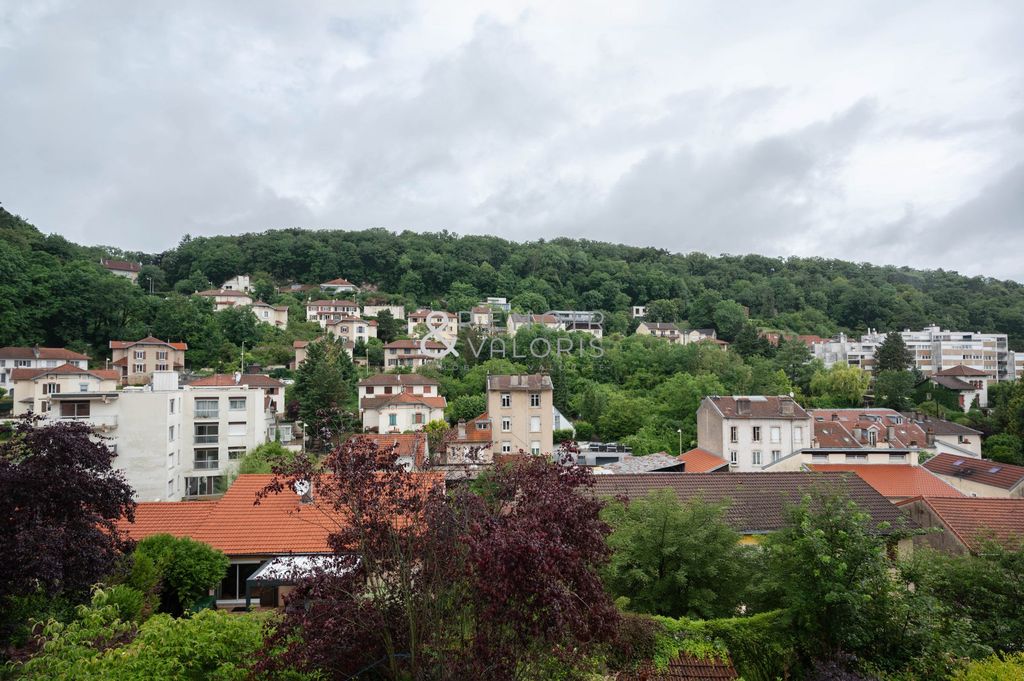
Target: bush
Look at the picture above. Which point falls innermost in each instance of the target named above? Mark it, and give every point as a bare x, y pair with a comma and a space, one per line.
584, 430
1008, 668
129, 602
188, 569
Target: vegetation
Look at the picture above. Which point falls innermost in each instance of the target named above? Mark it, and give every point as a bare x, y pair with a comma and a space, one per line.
187, 569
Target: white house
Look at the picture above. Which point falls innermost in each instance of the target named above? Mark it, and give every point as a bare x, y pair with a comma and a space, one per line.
12, 358
338, 286
397, 311
324, 311
752, 431
239, 282
396, 403
40, 390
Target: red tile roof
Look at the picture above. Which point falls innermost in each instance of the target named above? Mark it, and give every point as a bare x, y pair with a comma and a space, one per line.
894, 481
180, 519
227, 380
408, 343
905, 433
404, 397
337, 282
961, 370
226, 292
40, 353
1001, 475
332, 303
423, 314
474, 434
398, 379
412, 445
519, 382
122, 265
64, 370
148, 340
757, 406
974, 519
833, 435
702, 461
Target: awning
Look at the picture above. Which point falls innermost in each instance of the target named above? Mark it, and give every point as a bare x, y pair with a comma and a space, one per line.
287, 570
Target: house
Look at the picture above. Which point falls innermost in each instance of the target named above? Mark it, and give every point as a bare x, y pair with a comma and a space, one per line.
291, 528
225, 298
336, 286
592, 328
638, 311
521, 409
649, 463
469, 445
397, 311
894, 481
12, 358
698, 335
272, 388
301, 346
239, 282
967, 523
383, 385
436, 322
122, 268
666, 330
757, 501
481, 317
275, 315
37, 390
353, 329
699, 460
752, 431
324, 311
970, 384
137, 360
401, 412
947, 436
978, 477
520, 321
412, 449
497, 303
684, 667
412, 353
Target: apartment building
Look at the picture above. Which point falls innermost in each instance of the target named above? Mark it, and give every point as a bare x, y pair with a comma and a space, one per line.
339, 286
223, 298
520, 409
638, 311
444, 324
752, 431
353, 329
173, 442
273, 389
324, 311
412, 354
933, 348
122, 268
12, 358
37, 390
138, 360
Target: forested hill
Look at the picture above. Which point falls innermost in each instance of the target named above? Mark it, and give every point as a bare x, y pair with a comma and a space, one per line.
53, 291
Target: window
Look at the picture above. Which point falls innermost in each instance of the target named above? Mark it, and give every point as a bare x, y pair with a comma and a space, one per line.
207, 408
798, 434
172, 405
206, 459
506, 447
819, 458
232, 587
51, 388
170, 488
207, 433
170, 434
872, 437
236, 453
74, 410
775, 433
897, 458
417, 417
236, 429
236, 404
161, 355
202, 485
756, 433
534, 399
506, 399
733, 458
506, 424
392, 419
776, 454
369, 390
22, 362
756, 458
534, 424
734, 434
856, 457
162, 367
138, 368
140, 354
481, 425
535, 447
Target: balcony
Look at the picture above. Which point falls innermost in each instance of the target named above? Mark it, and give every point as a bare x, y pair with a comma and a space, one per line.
98, 423
207, 413
206, 439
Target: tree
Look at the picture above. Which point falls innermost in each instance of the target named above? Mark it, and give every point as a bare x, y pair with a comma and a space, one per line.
323, 389
839, 386
239, 326
1004, 447
530, 301
61, 499
893, 389
749, 343
188, 569
674, 559
465, 408
893, 354
388, 327
730, 318
662, 311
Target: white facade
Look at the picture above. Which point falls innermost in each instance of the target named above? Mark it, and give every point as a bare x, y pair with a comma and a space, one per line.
275, 315
397, 311
239, 282
437, 322
760, 431
35, 358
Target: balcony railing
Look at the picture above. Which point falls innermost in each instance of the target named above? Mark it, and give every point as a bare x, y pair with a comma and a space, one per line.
97, 422
206, 439
209, 464
207, 413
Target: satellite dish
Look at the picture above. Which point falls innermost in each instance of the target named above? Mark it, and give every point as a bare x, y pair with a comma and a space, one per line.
301, 487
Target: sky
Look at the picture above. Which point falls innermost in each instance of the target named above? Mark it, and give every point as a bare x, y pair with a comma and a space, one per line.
884, 132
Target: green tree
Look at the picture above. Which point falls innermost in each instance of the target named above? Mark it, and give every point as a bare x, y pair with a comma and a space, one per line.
893, 354
662, 310
188, 569
530, 301
465, 407
239, 326
839, 386
388, 328
730, 318
324, 390
1004, 447
893, 389
674, 559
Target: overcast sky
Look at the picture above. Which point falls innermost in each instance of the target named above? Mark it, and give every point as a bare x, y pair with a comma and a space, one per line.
889, 132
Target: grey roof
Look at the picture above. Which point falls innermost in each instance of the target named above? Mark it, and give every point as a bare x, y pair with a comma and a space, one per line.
649, 463
757, 406
940, 426
519, 382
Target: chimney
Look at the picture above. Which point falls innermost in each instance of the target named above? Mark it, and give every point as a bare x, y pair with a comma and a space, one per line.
835, 417
857, 434
890, 433
462, 429
742, 407
786, 406
930, 436
238, 377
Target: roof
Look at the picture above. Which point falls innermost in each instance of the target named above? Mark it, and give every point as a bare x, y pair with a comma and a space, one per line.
960, 370
951, 382
332, 303
895, 481
519, 382
661, 326
482, 309
411, 445
260, 303
685, 668
248, 380
378, 402
833, 435
64, 370
337, 282
398, 379
474, 434
905, 433
412, 343
983, 471
122, 265
699, 460
426, 313
760, 406
285, 525
648, 463
974, 519
148, 340
11, 352
758, 500
350, 319
533, 318
941, 426
228, 292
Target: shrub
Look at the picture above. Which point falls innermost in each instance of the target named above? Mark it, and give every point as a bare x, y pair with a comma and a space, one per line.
1008, 668
188, 569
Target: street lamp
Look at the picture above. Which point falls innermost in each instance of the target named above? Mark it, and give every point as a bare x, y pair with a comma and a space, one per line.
680, 431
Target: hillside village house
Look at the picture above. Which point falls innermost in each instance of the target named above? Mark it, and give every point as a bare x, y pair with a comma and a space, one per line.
497, 303
411, 449
481, 318
397, 403
666, 330
638, 311
275, 315
970, 385
239, 282
752, 431
978, 477
324, 311
353, 329
12, 358
411, 354
469, 446
336, 286
445, 324
173, 442
224, 298
122, 268
40, 390
519, 321
301, 347
966, 523
138, 360
397, 311
947, 436
520, 409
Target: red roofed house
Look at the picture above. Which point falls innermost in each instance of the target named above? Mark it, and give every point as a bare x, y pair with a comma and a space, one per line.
698, 460
36, 390
339, 286
967, 522
36, 358
412, 449
324, 311
412, 353
752, 431
122, 268
978, 477
137, 360
895, 482
398, 403
439, 322
353, 329
969, 383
